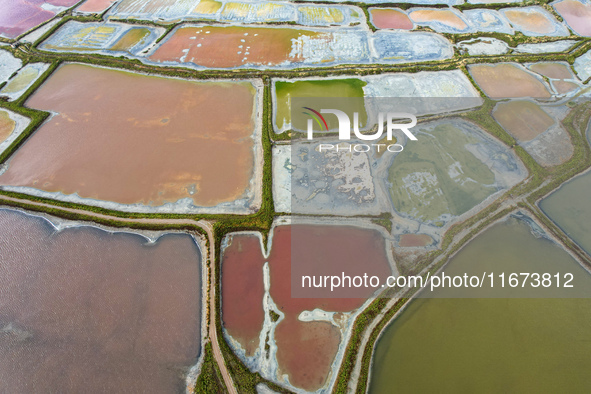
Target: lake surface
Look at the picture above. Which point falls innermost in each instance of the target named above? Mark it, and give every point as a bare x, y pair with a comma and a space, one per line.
468, 345
83, 310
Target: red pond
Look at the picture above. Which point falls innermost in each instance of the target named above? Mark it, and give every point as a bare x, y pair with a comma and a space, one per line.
306, 350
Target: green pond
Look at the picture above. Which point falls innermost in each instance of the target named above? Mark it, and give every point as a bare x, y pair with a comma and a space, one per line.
334, 88
486, 345
569, 208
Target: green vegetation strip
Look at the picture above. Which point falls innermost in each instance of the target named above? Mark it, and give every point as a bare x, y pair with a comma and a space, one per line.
210, 378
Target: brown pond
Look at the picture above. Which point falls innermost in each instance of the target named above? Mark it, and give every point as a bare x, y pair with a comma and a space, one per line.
306, 350
552, 70
84, 310
231, 46
563, 87
388, 18
131, 138
506, 80
577, 15
525, 120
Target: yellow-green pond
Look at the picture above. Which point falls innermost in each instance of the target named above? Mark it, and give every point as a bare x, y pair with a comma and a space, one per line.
469, 345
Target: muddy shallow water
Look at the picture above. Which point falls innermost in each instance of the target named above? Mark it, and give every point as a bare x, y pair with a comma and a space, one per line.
84, 310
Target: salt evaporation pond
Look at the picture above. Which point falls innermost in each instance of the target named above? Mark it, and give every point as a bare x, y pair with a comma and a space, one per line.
432, 84
569, 208
284, 91
559, 74
546, 47
23, 80
95, 6
583, 66
8, 65
11, 127
85, 310
445, 21
576, 14
537, 129
390, 18
524, 120
102, 37
506, 80
455, 158
19, 16
534, 21
281, 47
475, 344
305, 349
488, 21
135, 139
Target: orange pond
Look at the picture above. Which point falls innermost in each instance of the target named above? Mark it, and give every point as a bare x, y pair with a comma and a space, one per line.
505, 80
445, 17
388, 18
577, 15
231, 46
86, 311
306, 350
530, 21
131, 138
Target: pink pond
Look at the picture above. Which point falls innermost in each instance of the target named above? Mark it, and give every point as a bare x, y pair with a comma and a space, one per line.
390, 18
577, 15
19, 16
95, 6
